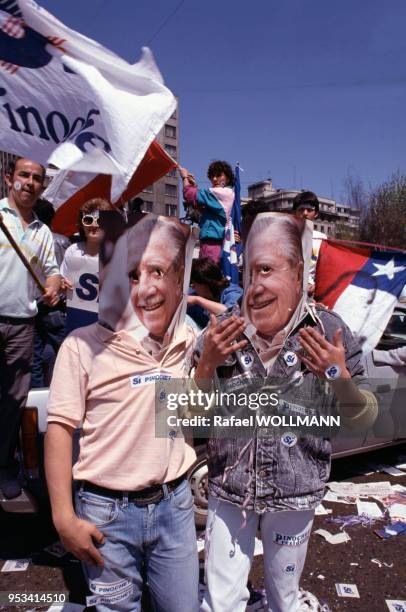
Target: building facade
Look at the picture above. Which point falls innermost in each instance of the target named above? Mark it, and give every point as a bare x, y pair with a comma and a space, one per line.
334, 218
162, 198
5, 159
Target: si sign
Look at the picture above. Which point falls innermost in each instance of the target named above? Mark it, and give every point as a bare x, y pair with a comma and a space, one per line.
82, 304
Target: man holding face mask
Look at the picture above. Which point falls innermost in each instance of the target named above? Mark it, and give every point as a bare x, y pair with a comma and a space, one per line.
24, 179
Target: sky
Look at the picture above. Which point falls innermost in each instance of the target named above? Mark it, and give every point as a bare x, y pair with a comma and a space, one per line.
305, 92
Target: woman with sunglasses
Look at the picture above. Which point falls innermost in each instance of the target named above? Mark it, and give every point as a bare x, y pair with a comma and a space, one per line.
80, 266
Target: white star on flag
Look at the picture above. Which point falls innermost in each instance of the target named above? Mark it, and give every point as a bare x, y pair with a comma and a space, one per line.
389, 269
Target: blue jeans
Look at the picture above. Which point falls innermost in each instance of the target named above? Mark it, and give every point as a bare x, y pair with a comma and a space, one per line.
157, 541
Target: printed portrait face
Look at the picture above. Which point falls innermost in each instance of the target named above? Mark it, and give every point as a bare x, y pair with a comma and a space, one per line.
275, 275
156, 276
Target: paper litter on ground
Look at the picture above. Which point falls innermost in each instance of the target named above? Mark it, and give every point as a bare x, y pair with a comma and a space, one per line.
396, 605
394, 498
16, 565
337, 538
200, 542
391, 530
369, 509
361, 489
350, 520
322, 511
259, 549
398, 512
333, 497
390, 469
380, 563
347, 590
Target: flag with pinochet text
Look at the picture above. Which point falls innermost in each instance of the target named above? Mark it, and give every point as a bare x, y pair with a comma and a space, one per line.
68, 101
362, 284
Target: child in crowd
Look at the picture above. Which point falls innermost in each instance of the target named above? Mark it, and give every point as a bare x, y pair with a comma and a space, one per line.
214, 203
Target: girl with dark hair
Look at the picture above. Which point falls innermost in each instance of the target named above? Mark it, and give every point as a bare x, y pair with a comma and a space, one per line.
214, 203
212, 292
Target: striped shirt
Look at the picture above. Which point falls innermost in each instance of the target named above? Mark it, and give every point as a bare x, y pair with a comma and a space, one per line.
18, 291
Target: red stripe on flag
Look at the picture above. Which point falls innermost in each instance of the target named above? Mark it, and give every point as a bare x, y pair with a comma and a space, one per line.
154, 165
336, 267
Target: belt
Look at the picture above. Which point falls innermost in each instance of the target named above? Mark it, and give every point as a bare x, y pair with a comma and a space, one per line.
143, 497
16, 320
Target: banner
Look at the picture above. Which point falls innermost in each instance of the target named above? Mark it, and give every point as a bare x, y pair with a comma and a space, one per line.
362, 284
68, 101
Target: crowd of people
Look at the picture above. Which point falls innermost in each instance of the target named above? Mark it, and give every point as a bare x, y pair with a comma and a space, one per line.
132, 517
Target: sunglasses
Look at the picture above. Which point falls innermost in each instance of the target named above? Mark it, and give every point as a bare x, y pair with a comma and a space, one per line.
88, 220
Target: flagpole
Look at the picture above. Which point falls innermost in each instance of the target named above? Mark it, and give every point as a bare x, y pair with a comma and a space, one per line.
21, 255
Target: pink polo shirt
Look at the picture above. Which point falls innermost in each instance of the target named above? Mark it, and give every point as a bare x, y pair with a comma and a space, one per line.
101, 380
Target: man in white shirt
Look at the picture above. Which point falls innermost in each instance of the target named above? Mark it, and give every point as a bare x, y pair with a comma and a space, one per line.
24, 179
306, 206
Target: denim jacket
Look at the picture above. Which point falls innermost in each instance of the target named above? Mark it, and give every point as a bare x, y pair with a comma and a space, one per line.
265, 473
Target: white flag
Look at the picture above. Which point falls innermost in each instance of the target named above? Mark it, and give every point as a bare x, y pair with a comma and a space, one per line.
66, 100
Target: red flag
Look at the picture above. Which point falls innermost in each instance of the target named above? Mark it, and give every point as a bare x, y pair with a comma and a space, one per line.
155, 164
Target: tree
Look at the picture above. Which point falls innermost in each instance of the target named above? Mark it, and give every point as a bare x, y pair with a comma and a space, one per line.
383, 218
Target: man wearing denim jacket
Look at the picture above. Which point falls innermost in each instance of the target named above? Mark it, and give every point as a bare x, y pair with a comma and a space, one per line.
275, 479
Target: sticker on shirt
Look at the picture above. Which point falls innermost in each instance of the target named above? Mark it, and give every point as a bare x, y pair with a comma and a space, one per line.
290, 568
246, 359
149, 379
290, 408
290, 540
290, 358
289, 439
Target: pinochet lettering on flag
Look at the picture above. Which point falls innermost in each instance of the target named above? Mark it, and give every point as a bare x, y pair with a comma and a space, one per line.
87, 125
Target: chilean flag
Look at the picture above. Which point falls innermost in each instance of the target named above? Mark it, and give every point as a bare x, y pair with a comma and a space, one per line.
362, 284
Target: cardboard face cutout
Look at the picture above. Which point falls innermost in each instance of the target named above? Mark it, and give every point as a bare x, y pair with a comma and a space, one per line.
276, 266
145, 276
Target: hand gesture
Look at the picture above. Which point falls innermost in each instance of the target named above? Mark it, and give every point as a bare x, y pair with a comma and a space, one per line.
50, 296
320, 354
183, 172
66, 284
78, 537
220, 340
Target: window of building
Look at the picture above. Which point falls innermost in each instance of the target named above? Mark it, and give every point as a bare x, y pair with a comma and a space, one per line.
322, 228
171, 190
147, 206
171, 150
170, 131
148, 189
174, 114
329, 230
172, 172
171, 210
